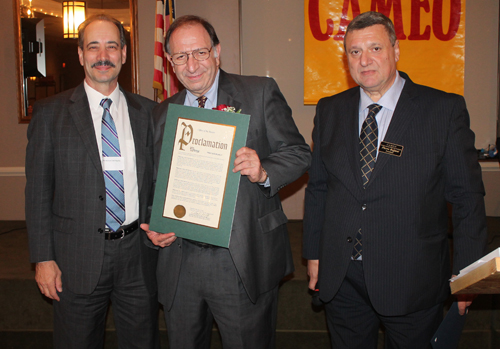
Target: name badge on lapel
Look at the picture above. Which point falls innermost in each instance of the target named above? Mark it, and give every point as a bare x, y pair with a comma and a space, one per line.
113, 163
391, 149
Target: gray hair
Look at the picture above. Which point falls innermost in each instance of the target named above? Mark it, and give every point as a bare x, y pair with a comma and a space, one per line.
371, 18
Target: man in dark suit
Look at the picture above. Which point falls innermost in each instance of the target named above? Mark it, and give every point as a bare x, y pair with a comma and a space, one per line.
388, 157
236, 286
83, 230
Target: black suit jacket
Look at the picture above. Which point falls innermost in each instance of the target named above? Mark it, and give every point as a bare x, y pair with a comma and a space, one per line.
65, 190
403, 210
259, 244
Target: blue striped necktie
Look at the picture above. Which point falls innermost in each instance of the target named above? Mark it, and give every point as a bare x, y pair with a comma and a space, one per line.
115, 192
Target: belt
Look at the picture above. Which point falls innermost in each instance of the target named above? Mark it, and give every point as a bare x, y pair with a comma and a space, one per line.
200, 244
121, 232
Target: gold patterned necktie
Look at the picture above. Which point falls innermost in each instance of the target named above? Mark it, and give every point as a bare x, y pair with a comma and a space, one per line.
201, 101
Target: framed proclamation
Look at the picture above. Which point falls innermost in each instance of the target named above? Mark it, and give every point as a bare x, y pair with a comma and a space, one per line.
196, 190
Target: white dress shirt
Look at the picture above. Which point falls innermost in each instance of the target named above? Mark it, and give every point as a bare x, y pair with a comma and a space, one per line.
119, 113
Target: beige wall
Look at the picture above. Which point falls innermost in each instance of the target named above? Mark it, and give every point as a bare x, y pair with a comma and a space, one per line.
481, 68
12, 135
270, 30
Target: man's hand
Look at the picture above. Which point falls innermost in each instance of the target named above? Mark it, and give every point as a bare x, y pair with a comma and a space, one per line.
162, 240
247, 162
48, 278
464, 301
312, 271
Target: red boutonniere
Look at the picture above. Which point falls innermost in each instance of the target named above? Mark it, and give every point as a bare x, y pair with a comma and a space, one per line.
223, 107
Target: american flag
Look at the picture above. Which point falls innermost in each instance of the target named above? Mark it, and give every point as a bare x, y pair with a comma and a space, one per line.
164, 80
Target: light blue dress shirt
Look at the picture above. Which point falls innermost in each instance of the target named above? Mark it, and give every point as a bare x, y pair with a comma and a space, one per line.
211, 102
388, 102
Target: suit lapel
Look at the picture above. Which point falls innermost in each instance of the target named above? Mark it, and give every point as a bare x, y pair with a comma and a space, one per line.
227, 93
406, 111
351, 136
179, 98
82, 117
139, 125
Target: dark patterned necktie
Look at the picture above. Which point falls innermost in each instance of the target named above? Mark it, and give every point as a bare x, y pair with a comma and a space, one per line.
368, 141
201, 101
115, 192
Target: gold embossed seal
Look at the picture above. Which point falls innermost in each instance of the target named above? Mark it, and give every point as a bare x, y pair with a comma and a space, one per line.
179, 211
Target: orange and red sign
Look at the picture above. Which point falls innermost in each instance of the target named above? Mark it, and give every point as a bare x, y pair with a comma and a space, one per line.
431, 36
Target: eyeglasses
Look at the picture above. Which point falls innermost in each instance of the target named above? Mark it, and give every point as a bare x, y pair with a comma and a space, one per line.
181, 58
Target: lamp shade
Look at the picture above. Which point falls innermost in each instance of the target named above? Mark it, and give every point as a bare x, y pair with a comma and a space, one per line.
73, 16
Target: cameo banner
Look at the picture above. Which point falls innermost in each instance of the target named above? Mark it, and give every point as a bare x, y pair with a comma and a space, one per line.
431, 36
196, 190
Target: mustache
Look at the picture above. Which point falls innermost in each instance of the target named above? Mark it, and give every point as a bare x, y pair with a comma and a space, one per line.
101, 63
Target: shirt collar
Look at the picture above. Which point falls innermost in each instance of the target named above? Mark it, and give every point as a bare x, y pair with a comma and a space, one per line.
211, 95
95, 96
389, 100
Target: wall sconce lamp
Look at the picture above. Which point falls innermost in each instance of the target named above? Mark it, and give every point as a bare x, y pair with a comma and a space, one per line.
73, 16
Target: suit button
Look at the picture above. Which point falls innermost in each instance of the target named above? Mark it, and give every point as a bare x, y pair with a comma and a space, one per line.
349, 239
101, 198
100, 231
363, 207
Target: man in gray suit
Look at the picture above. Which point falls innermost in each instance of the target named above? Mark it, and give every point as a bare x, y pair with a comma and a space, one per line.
388, 157
89, 172
238, 287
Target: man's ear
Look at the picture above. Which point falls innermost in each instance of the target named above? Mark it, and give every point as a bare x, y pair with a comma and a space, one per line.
124, 54
217, 58
396, 50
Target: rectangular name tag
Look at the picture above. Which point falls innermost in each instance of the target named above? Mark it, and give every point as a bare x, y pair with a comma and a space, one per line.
112, 164
391, 149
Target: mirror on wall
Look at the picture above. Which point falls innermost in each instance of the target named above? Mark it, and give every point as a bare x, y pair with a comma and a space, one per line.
47, 63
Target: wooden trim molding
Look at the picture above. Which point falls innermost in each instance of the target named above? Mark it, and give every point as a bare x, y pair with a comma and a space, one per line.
12, 172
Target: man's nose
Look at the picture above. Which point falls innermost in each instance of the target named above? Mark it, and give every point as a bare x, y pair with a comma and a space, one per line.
365, 58
103, 55
191, 64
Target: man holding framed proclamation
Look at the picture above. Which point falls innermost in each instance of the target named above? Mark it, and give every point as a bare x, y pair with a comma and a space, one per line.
196, 192
237, 286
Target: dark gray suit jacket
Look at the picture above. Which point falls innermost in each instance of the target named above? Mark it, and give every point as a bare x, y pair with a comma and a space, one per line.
259, 244
65, 191
403, 210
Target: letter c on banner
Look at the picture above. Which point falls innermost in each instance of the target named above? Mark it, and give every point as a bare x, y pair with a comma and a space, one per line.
315, 25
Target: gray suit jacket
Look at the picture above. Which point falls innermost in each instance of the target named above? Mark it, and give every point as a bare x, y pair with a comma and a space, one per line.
259, 244
65, 191
403, 210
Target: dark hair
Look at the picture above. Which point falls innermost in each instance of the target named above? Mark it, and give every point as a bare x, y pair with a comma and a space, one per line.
101, 17
369, 19
190, 20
